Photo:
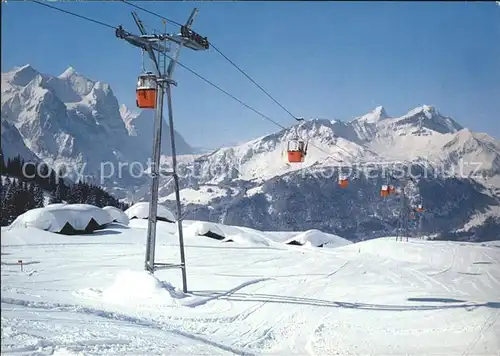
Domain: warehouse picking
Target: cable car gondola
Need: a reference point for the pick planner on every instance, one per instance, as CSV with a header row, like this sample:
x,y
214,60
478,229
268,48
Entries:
x,y
297,148
146,91
296,151
385,191
343,182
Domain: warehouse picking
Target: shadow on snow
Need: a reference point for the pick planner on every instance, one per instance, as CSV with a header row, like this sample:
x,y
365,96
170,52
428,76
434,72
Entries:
x,y
280,299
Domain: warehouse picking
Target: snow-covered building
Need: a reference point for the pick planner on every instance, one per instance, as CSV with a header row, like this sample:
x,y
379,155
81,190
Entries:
x,y
141,211
316,238
67,219
201,228
117,215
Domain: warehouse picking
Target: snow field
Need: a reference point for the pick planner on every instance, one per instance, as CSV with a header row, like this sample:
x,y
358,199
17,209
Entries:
x,y
204,195
89,295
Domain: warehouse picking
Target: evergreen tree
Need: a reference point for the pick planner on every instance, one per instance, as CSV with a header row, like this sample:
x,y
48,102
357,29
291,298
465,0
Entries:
x,y
90,196
71,194
9,212
38,196
16,166
60,193
29,194
76,195
101,200
8,165
44,170
19,196
2,201
29,171
3,167
52,179
25,198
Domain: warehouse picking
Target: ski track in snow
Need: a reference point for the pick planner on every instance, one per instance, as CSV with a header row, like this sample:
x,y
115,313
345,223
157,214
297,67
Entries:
x,y
378,297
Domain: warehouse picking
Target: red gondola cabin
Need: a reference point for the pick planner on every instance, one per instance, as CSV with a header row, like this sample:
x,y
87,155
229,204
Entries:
x,y
343,182
296,151
146,91
385,191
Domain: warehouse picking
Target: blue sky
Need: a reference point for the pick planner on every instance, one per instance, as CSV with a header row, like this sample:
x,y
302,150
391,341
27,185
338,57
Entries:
x,y
320,59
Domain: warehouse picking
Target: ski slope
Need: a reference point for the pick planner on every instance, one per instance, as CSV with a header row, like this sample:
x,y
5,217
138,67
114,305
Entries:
x,y
88,295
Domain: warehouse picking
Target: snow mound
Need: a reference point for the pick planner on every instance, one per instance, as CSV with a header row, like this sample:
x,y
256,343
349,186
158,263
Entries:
x,y
141,287
66,352
247,239
141,211
55,205
117,215
64,218
201,228
316,238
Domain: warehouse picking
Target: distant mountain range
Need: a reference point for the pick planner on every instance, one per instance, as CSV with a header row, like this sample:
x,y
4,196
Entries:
x,y
73,120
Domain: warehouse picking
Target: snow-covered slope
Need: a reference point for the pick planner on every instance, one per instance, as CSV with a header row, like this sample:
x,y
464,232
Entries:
x,y
75,121
84,295
140,126
13,144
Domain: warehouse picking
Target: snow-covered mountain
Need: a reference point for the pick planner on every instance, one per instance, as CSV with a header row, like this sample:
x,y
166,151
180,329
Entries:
x,y
422,135
457,171
74,121
13,144
140,125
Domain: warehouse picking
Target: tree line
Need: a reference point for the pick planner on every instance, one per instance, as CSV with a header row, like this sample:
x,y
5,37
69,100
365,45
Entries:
x,y
33,186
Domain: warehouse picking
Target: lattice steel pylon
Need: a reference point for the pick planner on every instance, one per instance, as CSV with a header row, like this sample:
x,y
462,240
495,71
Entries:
x,y
403,225
155,46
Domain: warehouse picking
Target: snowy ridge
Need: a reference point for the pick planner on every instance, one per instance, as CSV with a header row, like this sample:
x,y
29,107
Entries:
x,y
247,299
264,158
140,126
423,134
373,116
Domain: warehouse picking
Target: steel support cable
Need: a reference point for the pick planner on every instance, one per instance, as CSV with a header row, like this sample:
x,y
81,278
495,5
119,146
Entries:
x,y
237,67
185,67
